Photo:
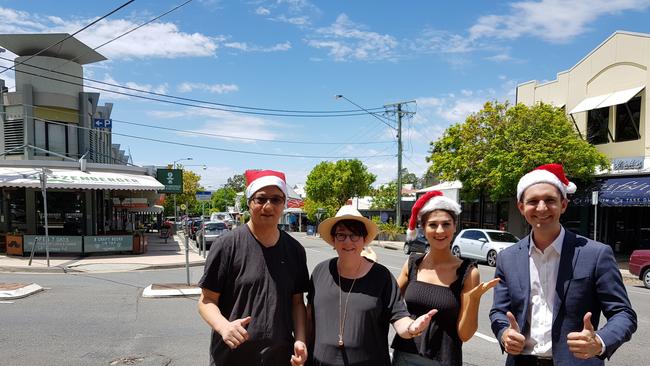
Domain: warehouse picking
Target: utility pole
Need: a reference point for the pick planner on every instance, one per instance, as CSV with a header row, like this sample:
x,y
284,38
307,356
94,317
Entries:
x,y
399,112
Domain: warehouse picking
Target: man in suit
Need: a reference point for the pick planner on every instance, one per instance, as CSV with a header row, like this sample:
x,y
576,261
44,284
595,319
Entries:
x,y
554,284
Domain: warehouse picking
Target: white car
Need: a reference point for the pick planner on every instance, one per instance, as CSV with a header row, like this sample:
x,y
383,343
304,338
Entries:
x,y
482,244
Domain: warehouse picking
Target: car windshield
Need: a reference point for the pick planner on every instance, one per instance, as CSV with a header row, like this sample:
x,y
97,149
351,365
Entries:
x,y
215,226
503,237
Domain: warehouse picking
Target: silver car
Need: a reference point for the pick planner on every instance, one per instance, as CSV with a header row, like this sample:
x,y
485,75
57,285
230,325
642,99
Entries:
x,y
482,244
212,230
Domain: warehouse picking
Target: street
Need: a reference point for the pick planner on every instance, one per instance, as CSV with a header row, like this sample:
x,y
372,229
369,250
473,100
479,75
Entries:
x,y
101,319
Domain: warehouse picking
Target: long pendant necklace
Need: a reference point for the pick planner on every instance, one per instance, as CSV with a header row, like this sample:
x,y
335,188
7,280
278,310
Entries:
x,y
344,310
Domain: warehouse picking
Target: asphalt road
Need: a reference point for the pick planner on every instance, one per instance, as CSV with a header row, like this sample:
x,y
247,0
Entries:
x,y
101,319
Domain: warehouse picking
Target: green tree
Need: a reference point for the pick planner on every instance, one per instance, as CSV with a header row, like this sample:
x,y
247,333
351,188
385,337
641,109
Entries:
x,y
410,178
384,197
222,198
237,182
494,147
333,183
311,208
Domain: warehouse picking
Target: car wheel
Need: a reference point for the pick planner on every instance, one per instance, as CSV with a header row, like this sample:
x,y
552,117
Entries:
x,y
455,251
407,249
646,278
492,258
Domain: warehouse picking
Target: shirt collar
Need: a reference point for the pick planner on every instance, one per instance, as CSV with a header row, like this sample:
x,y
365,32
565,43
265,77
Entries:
x,y
556,244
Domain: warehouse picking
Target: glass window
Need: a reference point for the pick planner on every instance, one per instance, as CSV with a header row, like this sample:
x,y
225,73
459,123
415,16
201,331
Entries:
x,y
597,124
16,201
627,120
64,213
470,234
503,237
56,138
39,137
73,145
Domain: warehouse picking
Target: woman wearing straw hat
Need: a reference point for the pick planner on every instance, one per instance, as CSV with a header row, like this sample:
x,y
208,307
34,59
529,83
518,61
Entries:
x,y
352,299
438,280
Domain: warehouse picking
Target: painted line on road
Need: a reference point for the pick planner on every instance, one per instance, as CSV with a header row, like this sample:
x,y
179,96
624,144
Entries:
x,y
486,338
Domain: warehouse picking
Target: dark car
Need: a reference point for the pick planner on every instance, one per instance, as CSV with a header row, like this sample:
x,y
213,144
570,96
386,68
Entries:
x,y
640,265
196,226
417,245
212,230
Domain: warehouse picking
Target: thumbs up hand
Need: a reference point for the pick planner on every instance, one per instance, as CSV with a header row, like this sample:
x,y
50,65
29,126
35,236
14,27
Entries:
x,y
235,332
585,344
513,341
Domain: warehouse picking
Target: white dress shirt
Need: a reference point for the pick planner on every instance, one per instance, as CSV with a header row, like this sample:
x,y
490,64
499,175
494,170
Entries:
x,y
544,267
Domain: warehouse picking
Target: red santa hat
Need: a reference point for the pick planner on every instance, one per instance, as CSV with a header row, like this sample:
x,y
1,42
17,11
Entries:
x,y
549,173
431,201
258,179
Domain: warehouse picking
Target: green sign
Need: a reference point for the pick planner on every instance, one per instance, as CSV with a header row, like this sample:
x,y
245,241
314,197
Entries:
x,y
56,244
108,243
172,179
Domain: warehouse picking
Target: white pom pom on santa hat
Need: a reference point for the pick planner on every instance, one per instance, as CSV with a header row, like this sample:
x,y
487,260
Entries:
x,y
548,173
430,201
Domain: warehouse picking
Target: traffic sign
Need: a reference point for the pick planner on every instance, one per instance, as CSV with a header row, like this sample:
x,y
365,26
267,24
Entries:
x,y
203,195
172,179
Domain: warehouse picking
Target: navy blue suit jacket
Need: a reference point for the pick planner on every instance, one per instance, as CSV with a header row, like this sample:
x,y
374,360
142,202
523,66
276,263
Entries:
x,y
588,281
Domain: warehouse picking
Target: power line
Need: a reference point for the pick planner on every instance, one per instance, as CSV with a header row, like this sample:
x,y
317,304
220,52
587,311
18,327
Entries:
x,y
69,36
186,104
201,146
219,135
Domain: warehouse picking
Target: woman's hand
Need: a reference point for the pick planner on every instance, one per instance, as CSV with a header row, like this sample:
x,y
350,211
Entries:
x,y
481,289
421,323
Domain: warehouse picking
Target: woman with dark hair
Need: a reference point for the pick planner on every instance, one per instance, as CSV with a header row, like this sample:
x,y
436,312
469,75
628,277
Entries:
x,y
352,300
438,280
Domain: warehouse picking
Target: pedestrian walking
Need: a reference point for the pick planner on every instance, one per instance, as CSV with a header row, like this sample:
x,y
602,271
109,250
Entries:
x,y
253,284
438,280
554,285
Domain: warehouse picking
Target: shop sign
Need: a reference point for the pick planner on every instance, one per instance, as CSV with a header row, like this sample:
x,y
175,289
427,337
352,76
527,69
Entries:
x,y
172,179
627,163
57,244
108,243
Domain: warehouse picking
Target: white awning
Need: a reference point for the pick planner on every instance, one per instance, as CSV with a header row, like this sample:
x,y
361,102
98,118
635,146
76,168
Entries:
x,y
76,179
151,209
606,100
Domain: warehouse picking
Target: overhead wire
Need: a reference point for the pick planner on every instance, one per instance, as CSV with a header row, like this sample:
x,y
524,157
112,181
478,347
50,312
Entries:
x,y
69,35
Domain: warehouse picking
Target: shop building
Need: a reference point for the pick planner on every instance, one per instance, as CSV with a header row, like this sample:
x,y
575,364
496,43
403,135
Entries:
x,y
56,138
605,95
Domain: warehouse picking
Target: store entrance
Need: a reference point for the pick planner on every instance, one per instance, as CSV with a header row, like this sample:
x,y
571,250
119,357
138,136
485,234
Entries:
x,y
65,213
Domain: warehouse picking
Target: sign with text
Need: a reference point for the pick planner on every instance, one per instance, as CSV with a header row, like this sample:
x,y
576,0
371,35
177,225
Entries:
x,y
57,244
203,195
172,179
108,243
103,123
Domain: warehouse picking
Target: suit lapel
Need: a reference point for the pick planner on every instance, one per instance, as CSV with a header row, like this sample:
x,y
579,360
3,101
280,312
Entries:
x,y
523,276
568,259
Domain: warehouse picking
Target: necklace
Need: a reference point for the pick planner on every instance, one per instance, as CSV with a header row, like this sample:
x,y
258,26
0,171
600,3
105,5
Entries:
x,y
344,310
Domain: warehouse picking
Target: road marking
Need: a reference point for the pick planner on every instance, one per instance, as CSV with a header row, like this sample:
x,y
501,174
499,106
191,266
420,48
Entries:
x,y
485,337
6,302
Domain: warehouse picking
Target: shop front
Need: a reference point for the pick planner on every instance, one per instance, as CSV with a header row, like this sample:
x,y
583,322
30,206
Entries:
x,y
82,214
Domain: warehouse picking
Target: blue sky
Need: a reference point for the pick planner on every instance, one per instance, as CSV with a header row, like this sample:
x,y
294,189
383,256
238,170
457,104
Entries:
x,y
450,57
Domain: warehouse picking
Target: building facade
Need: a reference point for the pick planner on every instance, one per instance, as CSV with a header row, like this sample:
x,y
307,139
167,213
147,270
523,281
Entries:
x,y
605,95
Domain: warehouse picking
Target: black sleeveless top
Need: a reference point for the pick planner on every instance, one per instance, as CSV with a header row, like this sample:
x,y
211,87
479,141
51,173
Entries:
x,y
440,340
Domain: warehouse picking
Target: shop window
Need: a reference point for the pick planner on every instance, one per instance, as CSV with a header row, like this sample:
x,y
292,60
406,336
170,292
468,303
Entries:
x,y
55,137
16,207
627,120
597,124
64,213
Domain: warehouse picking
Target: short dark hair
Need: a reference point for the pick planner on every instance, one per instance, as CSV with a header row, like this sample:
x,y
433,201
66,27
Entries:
x,y
355,226
425,217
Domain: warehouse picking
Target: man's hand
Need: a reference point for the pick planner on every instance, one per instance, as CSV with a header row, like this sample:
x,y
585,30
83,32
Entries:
x,y
513,341
584,344
235,332
299,354
421,323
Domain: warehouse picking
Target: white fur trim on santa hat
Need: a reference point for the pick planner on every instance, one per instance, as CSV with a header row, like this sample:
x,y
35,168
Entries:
x,y
267,180
440,203
411,234
543,176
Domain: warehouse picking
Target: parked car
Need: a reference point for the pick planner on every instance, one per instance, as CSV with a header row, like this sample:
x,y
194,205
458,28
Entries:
x,y
640,265
482,244
196,226
212,230
417,245
223,216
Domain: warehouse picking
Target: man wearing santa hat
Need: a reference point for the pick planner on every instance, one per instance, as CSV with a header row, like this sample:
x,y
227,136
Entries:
x,y
253,284
554,284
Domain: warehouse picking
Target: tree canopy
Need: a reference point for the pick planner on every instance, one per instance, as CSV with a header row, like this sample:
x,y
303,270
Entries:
x,y
237,182
494,147
222,198
385,197
331,184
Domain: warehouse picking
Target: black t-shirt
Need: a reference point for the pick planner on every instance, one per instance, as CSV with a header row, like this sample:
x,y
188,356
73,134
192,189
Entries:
x,y
259,282
374,303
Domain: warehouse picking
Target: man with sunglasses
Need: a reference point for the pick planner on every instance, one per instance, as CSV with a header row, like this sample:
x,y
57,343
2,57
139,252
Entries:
x,y
253,284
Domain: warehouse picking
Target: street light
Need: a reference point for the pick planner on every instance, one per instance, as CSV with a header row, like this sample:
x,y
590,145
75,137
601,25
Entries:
x,y
176,208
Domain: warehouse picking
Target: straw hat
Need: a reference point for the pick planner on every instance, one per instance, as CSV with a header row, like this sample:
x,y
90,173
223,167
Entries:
x,y
347,213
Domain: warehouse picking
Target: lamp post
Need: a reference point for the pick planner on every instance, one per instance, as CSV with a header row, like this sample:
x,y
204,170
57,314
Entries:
x,y
43,179
176,208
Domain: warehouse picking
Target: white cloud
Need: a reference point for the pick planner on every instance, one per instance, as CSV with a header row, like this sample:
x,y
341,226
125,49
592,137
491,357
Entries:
x,y
551,20
163,40
347,40
437,41
107,95
301,20
245,47
262,11
212,88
